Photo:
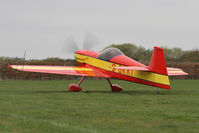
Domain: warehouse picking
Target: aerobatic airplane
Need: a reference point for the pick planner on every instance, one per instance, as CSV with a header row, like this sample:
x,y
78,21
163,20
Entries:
x,y
112,63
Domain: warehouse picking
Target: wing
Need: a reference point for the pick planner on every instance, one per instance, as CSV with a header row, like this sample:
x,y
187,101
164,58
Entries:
x,y
170,71
65,70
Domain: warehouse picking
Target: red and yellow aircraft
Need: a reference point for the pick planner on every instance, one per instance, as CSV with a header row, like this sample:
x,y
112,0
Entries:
x,y
112,63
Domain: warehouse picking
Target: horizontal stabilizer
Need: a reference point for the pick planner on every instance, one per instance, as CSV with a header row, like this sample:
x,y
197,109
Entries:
x,y
170,71
175,71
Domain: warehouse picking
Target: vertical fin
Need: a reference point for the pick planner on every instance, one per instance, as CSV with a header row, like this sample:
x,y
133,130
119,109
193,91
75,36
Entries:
x,y
158,63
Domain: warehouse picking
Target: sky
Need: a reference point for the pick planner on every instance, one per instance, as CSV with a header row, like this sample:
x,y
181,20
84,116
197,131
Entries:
x,y
42,27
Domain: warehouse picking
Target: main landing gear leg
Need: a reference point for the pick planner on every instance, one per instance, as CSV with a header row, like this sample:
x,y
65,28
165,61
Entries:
x,y
114,87
76,87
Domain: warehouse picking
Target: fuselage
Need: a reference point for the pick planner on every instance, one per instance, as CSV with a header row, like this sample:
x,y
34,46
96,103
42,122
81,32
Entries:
x,y
106,62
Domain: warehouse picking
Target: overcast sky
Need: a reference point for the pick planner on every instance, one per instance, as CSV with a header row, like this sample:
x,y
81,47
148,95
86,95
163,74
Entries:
x,y
43,26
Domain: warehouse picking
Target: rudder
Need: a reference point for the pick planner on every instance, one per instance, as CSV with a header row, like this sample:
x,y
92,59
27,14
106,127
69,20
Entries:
x,y
158,65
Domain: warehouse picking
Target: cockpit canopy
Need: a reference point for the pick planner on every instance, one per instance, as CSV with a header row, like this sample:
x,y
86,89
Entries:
x,y
109,53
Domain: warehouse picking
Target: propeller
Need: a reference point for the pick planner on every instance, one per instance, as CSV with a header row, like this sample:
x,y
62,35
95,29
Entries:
x,y
70,45
90,41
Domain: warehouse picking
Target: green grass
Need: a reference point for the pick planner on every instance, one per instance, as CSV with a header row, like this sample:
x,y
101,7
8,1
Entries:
x,y
48,107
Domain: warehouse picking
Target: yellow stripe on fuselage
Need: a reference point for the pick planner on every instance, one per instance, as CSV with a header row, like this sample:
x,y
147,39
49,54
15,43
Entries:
x,y
145,75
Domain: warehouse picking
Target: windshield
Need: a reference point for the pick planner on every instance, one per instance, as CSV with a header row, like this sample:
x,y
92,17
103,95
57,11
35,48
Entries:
x,y
109,53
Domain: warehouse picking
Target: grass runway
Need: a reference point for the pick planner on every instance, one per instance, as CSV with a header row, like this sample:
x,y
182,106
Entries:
x,y
48,107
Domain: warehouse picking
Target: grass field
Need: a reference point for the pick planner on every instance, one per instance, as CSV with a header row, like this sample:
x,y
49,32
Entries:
x,y
48,107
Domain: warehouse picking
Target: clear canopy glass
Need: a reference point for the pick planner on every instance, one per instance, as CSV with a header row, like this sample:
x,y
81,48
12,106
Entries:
x,y
109,53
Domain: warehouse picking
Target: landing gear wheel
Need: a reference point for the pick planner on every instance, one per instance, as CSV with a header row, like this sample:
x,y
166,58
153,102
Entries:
x,y
116,88
74,88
